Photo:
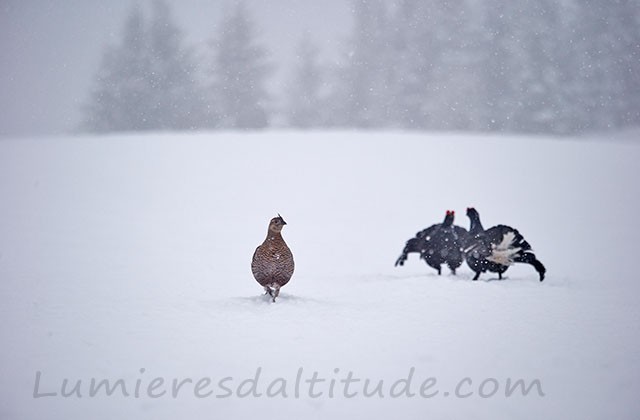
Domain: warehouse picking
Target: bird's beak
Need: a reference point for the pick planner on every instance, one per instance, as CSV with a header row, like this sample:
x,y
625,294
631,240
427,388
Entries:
x,y
283,222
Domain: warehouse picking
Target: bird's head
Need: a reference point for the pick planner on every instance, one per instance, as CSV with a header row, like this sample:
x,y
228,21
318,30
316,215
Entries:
x,y
474,218
277,223
448,218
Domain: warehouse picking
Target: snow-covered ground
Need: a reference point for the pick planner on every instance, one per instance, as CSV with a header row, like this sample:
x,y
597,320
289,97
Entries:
x,y
128,257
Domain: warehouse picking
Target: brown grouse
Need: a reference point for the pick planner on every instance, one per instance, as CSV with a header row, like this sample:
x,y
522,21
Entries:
x,y
272,263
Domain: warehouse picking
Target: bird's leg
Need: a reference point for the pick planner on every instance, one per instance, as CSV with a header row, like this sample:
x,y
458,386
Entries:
x,y
477,276
276,291
267,291
499,275
439,271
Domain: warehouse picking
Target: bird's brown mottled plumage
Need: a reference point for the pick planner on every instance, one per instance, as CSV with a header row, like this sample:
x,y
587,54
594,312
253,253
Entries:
x,y
272,263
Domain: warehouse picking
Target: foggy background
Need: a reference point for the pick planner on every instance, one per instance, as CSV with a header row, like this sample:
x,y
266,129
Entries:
x,y
50,51
541,66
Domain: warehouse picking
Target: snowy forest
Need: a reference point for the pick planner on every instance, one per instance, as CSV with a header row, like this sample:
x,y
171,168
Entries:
x,y
531,66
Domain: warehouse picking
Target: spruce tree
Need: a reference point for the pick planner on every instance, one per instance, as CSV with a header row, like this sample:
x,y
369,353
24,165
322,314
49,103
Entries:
x,y
240,72
177,101
148,81
364,84
304,103
120,98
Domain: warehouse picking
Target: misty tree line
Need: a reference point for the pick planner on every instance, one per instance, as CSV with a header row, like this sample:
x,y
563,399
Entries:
x,y
152,81
550,66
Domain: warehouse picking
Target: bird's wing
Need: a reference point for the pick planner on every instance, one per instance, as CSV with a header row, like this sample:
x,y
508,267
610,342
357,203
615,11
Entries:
x,y
461,235
428,232
479,245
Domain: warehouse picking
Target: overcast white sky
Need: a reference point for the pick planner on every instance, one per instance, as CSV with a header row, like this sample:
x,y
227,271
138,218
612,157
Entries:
x,y
50,49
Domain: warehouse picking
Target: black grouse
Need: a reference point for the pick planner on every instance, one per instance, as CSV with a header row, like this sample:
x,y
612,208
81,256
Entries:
x,y
495,249
439,244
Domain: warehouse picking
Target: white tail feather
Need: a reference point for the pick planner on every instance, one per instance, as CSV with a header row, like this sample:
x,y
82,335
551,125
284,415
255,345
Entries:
x,y
503,252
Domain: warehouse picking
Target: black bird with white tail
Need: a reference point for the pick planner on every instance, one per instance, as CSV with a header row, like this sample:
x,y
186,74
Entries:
x,y
497,248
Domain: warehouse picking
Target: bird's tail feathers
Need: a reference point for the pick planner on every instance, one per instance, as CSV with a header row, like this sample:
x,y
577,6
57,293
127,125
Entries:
x,y
504,252
413,245
530,258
